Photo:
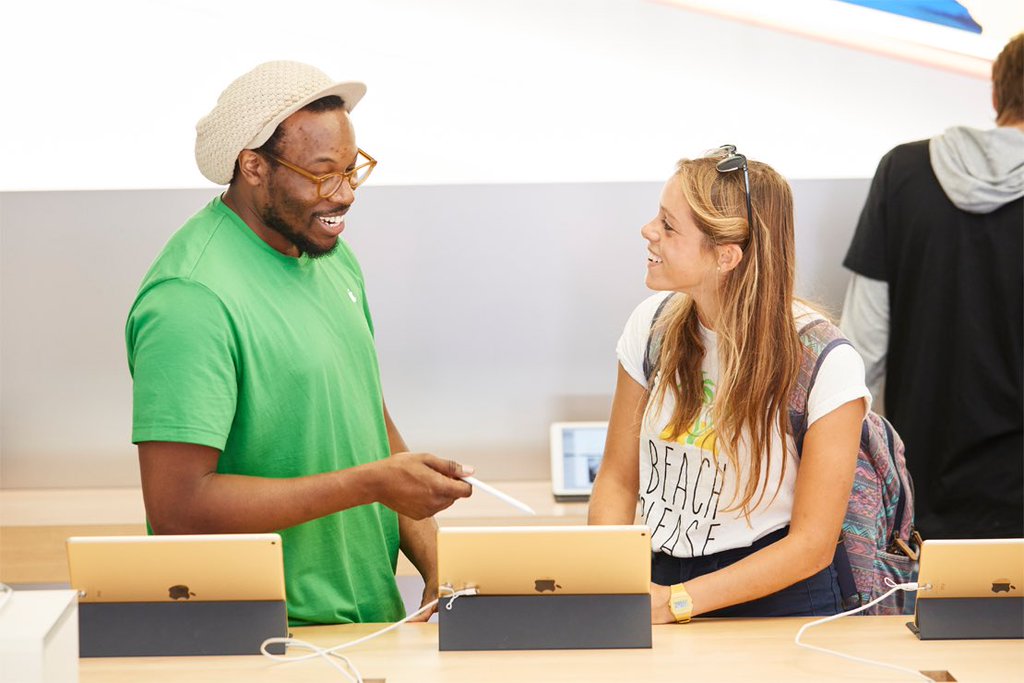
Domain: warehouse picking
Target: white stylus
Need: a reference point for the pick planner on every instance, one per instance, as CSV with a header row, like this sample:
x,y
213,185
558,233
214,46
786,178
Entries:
x,y
487,488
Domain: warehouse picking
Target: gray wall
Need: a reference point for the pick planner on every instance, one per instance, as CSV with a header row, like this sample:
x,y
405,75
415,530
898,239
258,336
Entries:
x,y
497,309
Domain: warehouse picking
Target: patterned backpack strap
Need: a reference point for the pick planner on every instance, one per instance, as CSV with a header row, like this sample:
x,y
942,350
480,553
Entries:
x,y
653,351
817,338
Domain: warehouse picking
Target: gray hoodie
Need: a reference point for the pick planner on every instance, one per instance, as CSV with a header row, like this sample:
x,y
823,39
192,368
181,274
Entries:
x,y
979,170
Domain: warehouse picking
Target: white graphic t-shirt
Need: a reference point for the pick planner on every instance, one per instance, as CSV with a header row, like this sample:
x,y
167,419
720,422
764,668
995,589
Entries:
x,y
688,495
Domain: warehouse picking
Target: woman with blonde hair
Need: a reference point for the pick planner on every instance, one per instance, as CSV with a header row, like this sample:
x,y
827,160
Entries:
x,y
741,523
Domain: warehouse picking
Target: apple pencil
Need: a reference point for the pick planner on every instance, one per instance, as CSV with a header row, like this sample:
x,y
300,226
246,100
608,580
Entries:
x,y
487,488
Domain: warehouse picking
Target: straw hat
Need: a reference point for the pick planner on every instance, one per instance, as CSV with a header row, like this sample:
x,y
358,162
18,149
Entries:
x,y
251,108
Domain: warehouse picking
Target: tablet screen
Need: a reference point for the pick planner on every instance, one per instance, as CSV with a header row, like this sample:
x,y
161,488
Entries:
x,y
576,451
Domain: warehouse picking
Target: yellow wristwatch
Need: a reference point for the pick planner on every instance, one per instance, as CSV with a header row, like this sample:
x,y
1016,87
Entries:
x,y
680,604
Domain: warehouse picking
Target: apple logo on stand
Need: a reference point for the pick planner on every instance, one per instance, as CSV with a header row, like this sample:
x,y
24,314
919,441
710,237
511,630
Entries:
x,y
179,593
1002,586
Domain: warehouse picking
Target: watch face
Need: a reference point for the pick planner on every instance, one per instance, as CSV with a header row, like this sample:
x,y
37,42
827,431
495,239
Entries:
x,y
680,604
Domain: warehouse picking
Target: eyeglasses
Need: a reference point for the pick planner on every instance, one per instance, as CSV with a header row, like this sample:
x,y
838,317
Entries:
x,y
734,162
328,184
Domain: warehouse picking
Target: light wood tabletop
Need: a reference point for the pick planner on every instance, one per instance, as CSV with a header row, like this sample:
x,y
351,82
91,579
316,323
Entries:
x,y
719,650
34,525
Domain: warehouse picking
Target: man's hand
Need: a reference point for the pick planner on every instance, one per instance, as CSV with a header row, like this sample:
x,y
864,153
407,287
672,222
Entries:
x,y
419,485
429,595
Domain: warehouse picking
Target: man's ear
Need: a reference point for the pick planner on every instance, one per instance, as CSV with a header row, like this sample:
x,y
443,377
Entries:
x,y
729,256
252,167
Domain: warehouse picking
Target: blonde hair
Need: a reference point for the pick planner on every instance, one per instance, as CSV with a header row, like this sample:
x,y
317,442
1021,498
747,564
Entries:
x,y
758,346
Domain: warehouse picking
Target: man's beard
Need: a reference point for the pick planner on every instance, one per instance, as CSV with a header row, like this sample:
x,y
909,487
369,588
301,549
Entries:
x,y
273,220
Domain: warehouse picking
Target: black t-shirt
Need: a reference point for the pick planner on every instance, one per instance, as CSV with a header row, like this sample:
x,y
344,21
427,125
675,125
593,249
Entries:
x,y
954,364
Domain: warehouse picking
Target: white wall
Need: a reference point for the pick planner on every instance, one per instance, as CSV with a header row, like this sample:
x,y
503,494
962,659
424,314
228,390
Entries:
x,y
105,94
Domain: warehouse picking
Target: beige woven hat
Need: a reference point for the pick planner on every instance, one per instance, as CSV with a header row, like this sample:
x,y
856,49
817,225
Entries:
x,y
251,108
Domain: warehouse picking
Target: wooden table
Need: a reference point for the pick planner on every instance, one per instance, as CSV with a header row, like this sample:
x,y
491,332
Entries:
x,y
34,524
718,650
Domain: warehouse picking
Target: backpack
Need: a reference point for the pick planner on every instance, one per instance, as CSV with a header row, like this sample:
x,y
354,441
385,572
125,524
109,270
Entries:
x,y
877,532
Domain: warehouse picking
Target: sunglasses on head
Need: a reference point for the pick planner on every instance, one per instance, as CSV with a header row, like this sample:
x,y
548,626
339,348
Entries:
x,y
731,161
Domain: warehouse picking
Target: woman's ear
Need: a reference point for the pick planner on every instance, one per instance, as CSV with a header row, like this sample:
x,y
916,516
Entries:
x,y
729,256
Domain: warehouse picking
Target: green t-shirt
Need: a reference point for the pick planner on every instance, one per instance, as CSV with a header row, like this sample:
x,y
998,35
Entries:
x,y
271,360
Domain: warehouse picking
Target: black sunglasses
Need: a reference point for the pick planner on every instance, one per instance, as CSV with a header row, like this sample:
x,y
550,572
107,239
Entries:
x,y
735,162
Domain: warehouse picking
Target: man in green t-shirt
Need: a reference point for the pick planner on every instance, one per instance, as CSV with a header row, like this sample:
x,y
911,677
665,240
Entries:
x,y
257,397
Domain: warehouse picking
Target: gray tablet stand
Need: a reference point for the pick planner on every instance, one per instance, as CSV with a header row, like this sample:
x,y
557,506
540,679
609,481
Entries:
x,y
549,622
968,618
159,629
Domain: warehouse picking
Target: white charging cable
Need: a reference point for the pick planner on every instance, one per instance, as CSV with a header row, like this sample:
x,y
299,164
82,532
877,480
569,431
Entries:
x,y
344,664
893,588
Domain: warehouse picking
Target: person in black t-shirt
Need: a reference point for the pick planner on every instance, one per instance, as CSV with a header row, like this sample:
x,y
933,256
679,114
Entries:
x,y
935,308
